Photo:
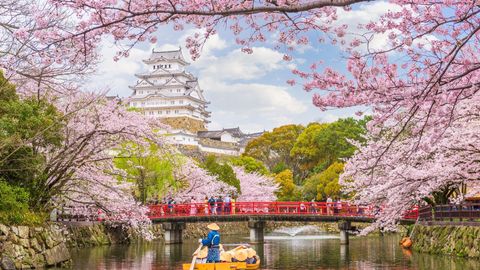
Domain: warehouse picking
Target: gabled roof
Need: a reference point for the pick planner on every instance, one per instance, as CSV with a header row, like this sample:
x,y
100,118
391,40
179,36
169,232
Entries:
x,y
248,137
193,87
235,132
173,55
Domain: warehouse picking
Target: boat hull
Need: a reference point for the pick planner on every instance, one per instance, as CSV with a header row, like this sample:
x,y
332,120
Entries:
x,y
223,266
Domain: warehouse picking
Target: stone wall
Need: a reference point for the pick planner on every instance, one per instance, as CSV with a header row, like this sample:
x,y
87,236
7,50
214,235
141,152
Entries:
x,y
218,144
184,123
449,240
97,235
23,247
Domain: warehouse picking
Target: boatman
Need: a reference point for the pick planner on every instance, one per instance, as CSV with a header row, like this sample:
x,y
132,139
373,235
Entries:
x,y
213,243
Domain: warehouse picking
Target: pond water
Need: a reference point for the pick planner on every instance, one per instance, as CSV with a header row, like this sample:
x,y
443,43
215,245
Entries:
x,y
280,251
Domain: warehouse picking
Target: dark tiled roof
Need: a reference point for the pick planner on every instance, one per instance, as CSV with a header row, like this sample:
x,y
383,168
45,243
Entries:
x,y
174,54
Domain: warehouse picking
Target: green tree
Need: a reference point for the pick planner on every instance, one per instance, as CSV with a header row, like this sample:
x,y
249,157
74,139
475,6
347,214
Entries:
x,y
250,164
305,149
325,184
287,190
151,170
26,126
274,147
333,143
224,172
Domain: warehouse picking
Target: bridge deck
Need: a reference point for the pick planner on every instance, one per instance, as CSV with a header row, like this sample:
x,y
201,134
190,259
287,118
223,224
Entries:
x,y
268,211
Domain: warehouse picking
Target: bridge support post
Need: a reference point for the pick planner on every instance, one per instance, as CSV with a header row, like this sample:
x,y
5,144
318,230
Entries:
x,y
344,227
173,232
257,229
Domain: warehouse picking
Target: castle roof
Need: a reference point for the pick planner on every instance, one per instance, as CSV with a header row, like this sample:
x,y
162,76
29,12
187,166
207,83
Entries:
x,y
173,55
217,134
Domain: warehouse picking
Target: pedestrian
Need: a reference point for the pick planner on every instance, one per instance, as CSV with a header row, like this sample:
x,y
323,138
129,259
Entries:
x,y
227,203
206,205
171,203
212,202
313,206
219,205
193,207
329,205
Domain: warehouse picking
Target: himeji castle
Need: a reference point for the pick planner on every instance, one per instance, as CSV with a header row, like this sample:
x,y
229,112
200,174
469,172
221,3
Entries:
x,y
167,91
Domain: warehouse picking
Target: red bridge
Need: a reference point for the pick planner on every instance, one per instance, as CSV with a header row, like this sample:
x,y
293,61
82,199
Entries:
x,y
174,216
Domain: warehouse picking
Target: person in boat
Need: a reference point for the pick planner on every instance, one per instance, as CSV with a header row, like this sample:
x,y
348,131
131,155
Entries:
x,y
202,255
213,243
251,256
240,255
225,256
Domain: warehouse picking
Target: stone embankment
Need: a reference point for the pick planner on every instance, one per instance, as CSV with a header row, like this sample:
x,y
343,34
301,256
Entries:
x,y
463,241
23,247
97,234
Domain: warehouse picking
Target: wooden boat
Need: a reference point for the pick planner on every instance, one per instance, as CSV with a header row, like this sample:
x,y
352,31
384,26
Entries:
x,y
224,266
255,265
217,266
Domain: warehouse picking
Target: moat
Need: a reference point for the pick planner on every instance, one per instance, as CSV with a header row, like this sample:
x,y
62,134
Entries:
x,y
306,251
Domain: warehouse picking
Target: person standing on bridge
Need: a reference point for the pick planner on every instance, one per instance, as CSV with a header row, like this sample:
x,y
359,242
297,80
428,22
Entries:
x,y
227,204
213,243
329,205
212,203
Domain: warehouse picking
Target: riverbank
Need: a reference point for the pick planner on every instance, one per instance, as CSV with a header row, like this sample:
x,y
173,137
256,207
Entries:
x,y
459,241
23,247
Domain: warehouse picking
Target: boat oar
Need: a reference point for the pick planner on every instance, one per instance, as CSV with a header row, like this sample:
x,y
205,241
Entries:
x,y
192,265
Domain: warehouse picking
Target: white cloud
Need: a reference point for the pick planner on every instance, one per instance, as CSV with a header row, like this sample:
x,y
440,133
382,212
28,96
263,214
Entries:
x,y
364,14
237,65
116,76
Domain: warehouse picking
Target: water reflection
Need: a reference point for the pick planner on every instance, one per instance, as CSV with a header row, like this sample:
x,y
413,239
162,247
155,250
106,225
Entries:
x,y
307,252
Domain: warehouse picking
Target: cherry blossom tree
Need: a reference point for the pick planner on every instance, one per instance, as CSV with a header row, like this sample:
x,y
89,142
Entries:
x,y
198,183
255,187
421,84
31,53
81,174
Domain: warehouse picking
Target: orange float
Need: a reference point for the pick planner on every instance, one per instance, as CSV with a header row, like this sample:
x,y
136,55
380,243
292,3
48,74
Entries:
x,y
406,242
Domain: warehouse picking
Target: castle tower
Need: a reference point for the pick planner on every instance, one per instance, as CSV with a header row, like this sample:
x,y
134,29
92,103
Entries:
x,y
168,92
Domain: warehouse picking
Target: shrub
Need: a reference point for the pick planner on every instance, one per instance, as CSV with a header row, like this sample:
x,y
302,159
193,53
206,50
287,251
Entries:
x,y
13,198
14,206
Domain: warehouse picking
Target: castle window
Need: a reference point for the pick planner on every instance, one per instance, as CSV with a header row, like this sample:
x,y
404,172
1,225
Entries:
x,y
150,113
176,111
159,112
172,102
181,101
169,66
143,104
168,111
178,90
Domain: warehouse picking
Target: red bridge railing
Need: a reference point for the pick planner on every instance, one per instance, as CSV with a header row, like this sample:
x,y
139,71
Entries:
x,y
268,208
468,212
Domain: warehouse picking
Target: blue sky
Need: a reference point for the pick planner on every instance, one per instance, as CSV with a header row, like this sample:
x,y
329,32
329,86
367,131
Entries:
x,y
248,91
